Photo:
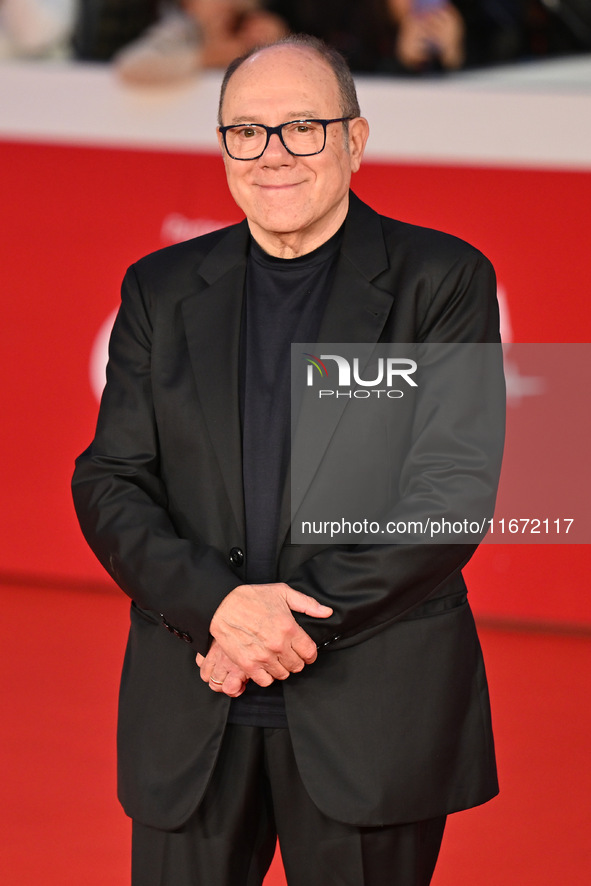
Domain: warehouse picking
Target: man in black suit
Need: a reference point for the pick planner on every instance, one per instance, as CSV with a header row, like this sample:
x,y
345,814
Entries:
x,y
333,695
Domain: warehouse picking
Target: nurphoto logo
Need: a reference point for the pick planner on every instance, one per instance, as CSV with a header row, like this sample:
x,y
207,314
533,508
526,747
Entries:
x,y
388,371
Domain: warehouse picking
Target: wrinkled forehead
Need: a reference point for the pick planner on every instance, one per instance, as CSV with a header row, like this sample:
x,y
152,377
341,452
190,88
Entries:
x,y
279,78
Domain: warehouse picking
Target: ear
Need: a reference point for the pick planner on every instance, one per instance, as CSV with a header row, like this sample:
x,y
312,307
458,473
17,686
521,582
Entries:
x,y
358,134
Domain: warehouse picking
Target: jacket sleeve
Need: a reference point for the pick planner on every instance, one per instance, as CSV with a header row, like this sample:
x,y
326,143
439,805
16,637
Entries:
x,y
121,501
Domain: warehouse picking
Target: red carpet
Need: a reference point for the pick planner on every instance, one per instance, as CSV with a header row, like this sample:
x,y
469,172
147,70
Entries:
x,y
60,822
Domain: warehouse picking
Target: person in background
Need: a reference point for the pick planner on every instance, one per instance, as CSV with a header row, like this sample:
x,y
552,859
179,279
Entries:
x,y
35,28
433,37
428,32
153,44
200,34
436,35
394,36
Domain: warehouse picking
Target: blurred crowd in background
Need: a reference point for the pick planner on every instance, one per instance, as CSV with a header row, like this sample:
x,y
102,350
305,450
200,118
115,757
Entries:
x,y
156,42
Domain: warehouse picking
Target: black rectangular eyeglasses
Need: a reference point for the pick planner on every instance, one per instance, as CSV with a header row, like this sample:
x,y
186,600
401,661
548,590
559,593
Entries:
x,y
302,138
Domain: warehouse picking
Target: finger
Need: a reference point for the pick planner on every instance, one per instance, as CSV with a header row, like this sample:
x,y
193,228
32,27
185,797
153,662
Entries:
x,y
291,657
217,683
216,662
304,646
199,659
299,602
275,670
206,669
293,663
233,686
261,677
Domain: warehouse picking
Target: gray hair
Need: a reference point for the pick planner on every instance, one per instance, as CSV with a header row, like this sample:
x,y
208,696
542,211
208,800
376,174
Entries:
x,y
334,59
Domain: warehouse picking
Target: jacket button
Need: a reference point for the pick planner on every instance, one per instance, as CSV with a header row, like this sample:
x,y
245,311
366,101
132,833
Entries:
x,y
328,642
236,556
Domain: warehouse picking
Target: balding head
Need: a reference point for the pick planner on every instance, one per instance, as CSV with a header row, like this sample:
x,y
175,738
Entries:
x,y
349,104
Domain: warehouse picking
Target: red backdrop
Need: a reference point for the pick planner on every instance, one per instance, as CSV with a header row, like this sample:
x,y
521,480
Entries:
x,y
73,218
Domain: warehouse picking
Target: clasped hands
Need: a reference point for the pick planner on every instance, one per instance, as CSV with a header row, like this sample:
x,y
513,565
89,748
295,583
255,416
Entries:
x,y
256,637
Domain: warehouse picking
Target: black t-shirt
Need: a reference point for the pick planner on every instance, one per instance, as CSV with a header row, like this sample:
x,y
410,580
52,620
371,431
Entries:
x,y
284,303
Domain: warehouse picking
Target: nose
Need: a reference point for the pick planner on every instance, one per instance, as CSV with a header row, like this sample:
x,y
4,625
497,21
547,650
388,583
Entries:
x,y
276,153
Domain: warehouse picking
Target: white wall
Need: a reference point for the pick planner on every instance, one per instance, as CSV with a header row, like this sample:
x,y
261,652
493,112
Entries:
x,y
533,115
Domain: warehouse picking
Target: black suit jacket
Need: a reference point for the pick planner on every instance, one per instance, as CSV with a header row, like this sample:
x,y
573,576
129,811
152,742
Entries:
x,y
392,721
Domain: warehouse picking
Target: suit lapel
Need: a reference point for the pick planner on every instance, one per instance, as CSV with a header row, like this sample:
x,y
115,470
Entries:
x,y
357,308
212,318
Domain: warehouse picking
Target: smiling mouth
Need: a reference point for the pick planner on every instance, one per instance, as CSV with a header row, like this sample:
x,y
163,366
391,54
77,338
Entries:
x,y
278,187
